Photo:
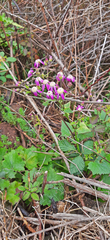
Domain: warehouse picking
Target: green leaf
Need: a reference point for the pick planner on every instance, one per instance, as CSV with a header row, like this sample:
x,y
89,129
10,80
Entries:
x,y
65,130
31,157
53,176
11,59
2,153
9,76
67,105
66,146
35,196
4,184
11,192
99,167
56,192
26,195
79,163
68,110
45,200
2,53
99,129
22,188
88,144
83,128
102,115
13,161
106,178
17,25
94,119
3,79
44,159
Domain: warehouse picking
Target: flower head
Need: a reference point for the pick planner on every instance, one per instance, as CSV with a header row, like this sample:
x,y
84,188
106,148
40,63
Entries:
x,y
53,86
79,108
17,84
70,78
99,100
50,58
45,84
60,92
38,80
35,90
60,76
30,72
50,95
37,63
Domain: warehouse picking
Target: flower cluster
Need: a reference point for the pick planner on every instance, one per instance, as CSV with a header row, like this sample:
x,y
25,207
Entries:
x,y
52,89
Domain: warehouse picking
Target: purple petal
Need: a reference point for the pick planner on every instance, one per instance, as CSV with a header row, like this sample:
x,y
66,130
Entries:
x,y
48,86
43,87
58,96
39,91
52,97
35,93
62,96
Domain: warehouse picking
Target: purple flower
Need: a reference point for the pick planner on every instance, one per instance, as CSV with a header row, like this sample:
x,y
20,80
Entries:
x,y
50,95
60,92
17,84
35,90
50,58
30,72
45,84
79,108
60,76
99,100
38,80
70,78
53,86
37,63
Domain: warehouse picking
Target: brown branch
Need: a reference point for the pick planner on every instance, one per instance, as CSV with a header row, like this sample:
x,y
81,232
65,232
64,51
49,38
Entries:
x,y
95,82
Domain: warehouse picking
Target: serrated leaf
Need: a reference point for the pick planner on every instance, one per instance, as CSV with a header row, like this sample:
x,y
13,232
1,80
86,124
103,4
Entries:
x,y
35,196
94,119
79,162
53,176
11,192
66,146
2,153
11,59
44,158
13,161
45,200
106,178
4,184
65,130
83,128
98,167
88,144
31,157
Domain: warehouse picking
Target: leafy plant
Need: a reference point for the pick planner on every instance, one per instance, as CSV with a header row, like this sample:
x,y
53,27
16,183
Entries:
x,y
22,172
3,70
87,150
12,118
